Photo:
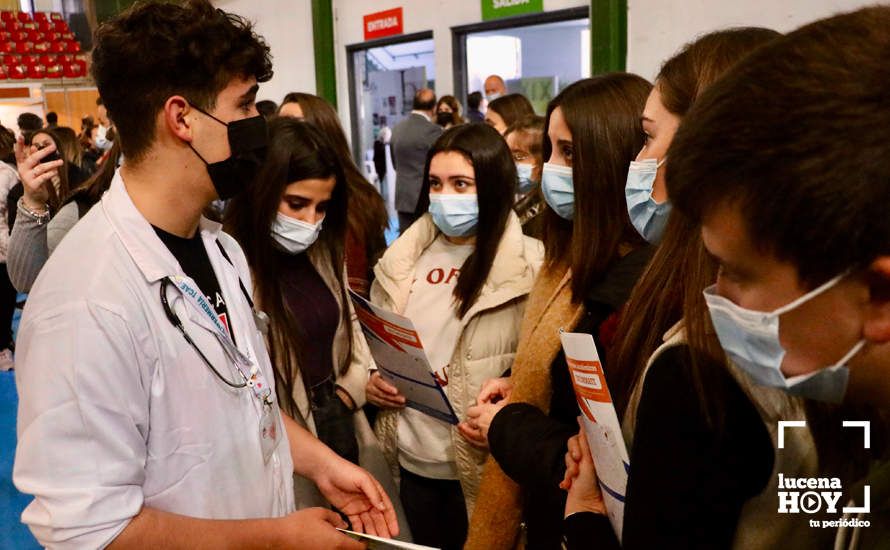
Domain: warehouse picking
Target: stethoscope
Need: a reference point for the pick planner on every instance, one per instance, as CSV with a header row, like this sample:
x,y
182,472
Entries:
x,y
177,322
260,318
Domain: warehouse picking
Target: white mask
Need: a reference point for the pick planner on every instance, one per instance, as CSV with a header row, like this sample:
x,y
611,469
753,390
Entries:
x,y
294,235
751,341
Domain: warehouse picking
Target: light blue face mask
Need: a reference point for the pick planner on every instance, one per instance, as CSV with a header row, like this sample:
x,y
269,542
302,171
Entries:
x,y
524,171
455,215
647,216
751,341
558,189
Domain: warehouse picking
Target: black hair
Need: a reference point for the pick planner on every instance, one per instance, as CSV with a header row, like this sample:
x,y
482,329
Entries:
x,y
297,152
267,108
155,50
52,117
29,122
474,100
495,175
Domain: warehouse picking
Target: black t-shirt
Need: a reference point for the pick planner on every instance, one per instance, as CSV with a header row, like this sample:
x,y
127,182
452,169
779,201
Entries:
x,y
195,262
316,313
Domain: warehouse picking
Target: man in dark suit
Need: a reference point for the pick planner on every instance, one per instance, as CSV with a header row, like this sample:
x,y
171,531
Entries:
x,y
411,141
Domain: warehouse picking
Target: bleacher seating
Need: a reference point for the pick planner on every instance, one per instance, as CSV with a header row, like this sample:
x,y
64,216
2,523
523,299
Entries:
x,y
38,47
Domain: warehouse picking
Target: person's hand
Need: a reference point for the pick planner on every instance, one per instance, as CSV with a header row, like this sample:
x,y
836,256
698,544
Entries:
x,y
479,417
315,528
34,174
573,461
494,390
383,394
356,493
581,481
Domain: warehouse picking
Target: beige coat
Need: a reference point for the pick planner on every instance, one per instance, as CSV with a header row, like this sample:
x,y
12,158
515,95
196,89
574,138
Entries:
x,y
489,332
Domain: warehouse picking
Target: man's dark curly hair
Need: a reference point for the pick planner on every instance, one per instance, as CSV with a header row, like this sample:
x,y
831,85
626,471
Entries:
x,y
155,50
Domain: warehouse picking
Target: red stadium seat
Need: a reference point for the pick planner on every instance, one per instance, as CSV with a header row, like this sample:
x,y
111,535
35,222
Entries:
x,y
24,17
12,25
29,59
19,36
56,16
3,75
60,26
58,47
9,59
55,71
7,15
23,47
75,69
40,16
6,47
73,46
64,58
44,26
5,36
16,72
36,71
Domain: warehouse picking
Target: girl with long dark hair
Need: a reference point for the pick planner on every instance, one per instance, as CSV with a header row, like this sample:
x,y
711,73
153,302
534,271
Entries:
x,y
291,223
368,219
593,259
461,273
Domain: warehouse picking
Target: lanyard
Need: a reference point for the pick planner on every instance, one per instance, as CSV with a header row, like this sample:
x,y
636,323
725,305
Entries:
x,y
254,378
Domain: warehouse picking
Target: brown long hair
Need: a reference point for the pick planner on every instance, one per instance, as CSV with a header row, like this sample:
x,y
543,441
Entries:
x,y
91,191
671,287
495,175
512,107
297,151
603,115
367,211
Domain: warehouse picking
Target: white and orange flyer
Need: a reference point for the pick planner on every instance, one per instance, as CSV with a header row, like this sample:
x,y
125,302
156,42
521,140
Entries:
x,y
400,359
600,421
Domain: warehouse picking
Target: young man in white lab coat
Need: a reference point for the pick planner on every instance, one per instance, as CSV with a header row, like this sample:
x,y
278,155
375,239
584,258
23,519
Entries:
x,y
147,416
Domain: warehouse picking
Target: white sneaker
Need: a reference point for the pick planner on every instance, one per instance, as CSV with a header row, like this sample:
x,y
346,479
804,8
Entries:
x,y
6,362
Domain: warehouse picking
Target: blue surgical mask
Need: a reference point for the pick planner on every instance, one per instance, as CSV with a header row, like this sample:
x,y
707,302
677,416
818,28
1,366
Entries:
x,y
558,189
751,341
455,215
647,216
293,235
524,171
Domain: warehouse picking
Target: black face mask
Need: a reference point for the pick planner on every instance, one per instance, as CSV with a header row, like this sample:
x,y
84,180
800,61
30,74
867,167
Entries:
x,y
443,119
248,142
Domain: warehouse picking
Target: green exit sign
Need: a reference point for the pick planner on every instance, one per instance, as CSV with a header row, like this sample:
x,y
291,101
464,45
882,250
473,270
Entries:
x,y
494,9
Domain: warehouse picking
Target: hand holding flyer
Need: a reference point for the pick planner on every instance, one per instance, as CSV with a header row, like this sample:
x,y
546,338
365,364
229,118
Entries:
x,y
600,423
400,358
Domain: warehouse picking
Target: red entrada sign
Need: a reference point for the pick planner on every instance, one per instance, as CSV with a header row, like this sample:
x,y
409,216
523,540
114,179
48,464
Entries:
x,y
383,23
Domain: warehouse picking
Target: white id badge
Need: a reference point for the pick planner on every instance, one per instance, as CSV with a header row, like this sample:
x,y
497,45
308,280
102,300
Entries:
x,y
269,436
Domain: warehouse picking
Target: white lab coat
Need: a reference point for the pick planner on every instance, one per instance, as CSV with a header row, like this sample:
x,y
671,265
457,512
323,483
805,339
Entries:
x,y
116,410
